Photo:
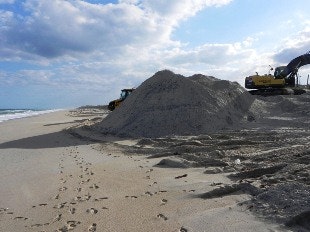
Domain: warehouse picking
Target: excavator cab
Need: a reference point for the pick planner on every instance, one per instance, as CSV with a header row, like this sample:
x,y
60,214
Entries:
x,y
280,72
115,103
125,93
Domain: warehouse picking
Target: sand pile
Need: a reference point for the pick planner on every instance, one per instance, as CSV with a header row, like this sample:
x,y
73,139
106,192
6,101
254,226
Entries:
x,y
171,104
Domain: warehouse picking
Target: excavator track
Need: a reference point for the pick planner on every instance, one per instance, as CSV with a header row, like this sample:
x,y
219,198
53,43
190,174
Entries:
x,y
278,91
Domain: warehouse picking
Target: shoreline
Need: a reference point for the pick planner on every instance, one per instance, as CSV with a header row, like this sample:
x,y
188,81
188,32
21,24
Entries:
x,y
14,114
53,181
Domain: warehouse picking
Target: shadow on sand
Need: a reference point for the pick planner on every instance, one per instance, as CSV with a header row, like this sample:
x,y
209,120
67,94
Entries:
x,y
52,140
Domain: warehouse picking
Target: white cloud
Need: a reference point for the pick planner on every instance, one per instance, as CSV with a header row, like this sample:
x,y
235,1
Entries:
x,y
61,28
97,47
294,45
128,40
173,11
6,19
134,2
68,28
118,43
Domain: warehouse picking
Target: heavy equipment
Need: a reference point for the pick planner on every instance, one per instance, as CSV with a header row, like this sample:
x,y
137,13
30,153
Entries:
x,y
124,94
282,82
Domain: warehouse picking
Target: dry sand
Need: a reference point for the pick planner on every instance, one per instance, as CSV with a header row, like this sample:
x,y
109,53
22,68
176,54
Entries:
x,y
54,180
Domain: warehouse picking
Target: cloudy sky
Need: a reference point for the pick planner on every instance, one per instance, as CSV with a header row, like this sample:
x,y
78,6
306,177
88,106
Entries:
x,y
67,53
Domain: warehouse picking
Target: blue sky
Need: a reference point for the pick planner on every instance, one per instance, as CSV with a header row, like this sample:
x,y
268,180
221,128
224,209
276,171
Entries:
x,y
68,53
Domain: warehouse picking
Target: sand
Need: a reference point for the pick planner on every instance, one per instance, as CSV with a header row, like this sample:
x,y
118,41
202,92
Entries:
x,y
169,104
55,180
246,169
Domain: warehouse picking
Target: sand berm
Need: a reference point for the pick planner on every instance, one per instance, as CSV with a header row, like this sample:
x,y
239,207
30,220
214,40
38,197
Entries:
x,y
171,104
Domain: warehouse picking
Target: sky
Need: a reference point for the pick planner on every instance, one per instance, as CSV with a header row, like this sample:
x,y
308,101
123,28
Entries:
x,y
69,53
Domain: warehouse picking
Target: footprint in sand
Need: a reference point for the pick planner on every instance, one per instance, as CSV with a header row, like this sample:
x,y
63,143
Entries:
x,y
162,216
39,225
149,193
86,197
133,197
81,199
5,210
190,191
182,229
94,186
216,183
57,218
43,204
181,176
2,210
100,198
164,201
92,211
70,226
20,218
72,210
153,183
93,227
84,181
90,173
60,206
63,189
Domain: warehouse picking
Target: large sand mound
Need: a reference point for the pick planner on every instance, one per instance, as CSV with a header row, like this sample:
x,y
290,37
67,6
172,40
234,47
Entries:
x,y
171,104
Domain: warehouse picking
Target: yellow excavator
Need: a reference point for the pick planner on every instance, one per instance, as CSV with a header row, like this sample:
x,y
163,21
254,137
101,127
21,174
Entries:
x,y
115,103
282,82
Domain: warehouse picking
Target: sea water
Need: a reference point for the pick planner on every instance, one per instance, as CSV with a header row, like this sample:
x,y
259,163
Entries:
x,y
9,114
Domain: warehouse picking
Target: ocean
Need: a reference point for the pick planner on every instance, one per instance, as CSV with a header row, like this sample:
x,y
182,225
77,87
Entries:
x,y
10,114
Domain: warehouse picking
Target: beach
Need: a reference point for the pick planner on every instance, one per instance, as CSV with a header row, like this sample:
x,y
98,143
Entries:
x,y
55,180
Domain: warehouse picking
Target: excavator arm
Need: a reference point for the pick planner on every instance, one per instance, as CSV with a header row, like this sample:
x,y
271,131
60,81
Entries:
x,y
299,62
291,69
